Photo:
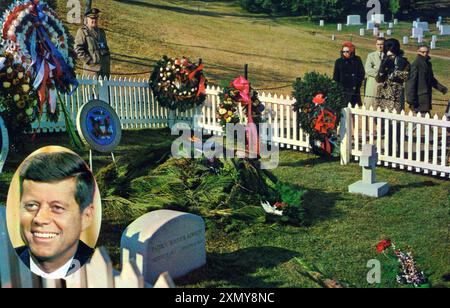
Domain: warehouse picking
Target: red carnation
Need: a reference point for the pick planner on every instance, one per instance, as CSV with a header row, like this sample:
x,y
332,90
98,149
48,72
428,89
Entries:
x,y
383,245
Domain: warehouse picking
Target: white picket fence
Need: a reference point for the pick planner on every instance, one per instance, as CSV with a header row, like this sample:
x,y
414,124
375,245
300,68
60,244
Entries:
x,y
98,273
405,141
423,141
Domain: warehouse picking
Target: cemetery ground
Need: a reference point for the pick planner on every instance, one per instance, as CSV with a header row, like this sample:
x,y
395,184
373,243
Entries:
x,y
278,49
340,237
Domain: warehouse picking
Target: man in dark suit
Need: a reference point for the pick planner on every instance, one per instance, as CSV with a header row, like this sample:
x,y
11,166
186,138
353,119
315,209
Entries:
x,y
421,81
56,206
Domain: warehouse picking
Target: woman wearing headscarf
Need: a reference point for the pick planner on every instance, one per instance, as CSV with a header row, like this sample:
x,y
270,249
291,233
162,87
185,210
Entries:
x,y
393,73
349,72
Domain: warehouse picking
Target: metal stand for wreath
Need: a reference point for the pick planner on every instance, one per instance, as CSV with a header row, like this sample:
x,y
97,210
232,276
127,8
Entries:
x,y
5,144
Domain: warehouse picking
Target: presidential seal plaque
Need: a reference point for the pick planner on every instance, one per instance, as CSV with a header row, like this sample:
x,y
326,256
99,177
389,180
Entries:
x,y
99,126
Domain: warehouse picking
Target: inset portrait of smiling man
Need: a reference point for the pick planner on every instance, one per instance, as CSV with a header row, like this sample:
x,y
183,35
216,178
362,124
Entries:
x,y
57,205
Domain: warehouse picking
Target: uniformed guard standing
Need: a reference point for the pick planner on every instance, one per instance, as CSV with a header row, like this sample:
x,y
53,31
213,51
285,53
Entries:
x,y
91,46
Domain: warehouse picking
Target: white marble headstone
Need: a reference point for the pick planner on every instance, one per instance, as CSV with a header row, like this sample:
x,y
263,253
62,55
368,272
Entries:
x,y
389,32
353,20
424,25
434,38
339,27
445,30
362,32
381,34
376,31
396,21
405,40
370,25
322,23
391,25
433,45
416,32
165,241
378,18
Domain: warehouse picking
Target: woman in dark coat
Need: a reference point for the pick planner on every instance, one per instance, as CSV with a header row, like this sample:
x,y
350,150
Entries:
x,y
349,72
393,73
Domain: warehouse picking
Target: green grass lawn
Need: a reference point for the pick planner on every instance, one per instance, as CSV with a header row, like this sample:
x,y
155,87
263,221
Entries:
x,y
340,240
278,49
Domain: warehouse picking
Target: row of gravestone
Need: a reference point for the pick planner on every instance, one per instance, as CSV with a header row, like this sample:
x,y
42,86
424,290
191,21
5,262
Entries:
x,y
418,29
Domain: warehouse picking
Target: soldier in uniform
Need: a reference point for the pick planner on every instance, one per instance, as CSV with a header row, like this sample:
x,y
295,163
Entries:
x,y
91,46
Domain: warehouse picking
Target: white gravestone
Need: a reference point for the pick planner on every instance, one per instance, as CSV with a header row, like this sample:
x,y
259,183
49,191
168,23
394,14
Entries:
x,y
391,25
322,23
378,18
395,22
165,241
420,39
389,32
433,45
434,38
376,31
445,30
362,32
416,32
381,34
333,37
339,27
4,144
405,40
353,20
368,186
370,25
423,25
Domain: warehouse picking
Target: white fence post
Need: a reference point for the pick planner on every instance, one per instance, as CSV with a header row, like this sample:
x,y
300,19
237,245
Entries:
x,y
345,131
103,89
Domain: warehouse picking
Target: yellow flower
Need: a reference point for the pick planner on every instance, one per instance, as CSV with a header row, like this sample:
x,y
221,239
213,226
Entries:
x,y
222,111
20,104
9,70
228,119
230,113
6,85
16,97
29,112
26,88
20,75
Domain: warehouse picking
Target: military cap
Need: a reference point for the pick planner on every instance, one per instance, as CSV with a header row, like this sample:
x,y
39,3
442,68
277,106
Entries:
x,y
92,13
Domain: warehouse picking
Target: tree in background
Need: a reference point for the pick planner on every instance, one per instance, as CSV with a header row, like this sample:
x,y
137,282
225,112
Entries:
x,y
394,7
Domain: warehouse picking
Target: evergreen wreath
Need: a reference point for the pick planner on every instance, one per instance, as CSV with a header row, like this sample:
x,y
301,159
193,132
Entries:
x,y
178,84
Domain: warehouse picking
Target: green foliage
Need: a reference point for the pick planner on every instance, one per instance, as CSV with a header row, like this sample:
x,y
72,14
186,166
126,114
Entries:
x,y
394,6
294,213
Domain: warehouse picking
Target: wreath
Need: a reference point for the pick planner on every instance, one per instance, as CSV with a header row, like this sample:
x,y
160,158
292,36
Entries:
x,y
239,93
18,101
319,100
36,40
178,84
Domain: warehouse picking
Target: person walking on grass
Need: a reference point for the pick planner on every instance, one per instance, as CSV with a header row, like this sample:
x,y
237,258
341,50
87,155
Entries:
x,y
421,82
372,67
349,72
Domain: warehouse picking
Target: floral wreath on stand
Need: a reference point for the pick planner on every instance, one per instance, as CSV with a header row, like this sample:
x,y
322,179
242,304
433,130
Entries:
x,y
324,125
239,93
36,53
178,84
